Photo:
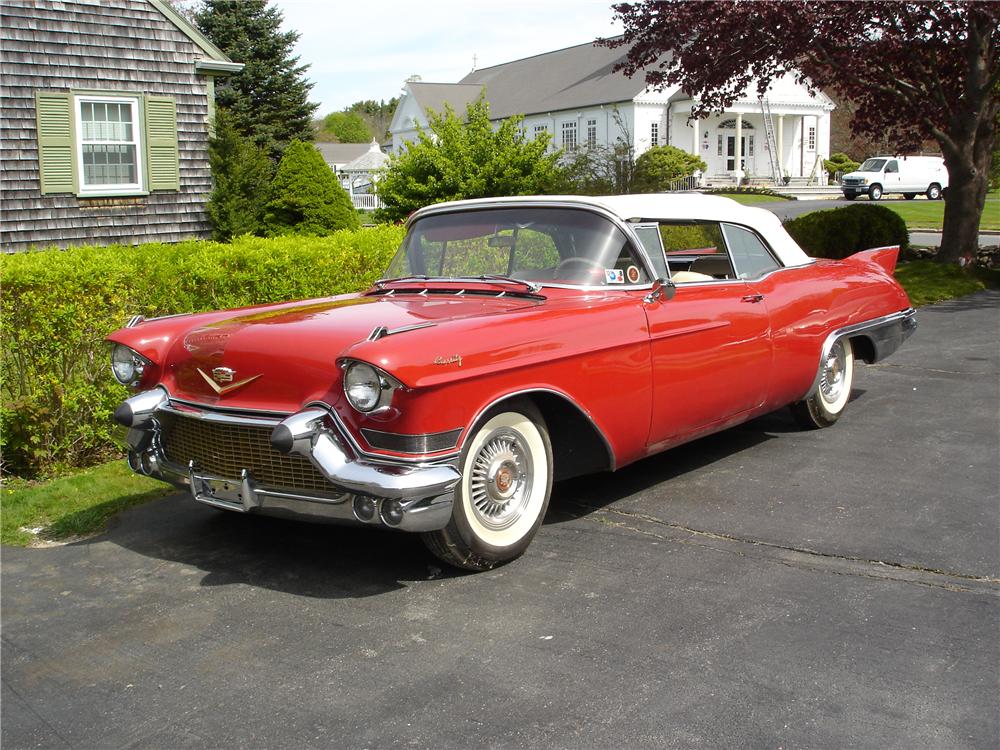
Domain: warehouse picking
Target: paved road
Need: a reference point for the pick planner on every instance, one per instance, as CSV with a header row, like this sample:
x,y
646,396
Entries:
x,y
764,587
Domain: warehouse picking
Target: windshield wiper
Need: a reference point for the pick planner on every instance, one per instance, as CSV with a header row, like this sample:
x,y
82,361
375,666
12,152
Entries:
x,y
382,282
532,288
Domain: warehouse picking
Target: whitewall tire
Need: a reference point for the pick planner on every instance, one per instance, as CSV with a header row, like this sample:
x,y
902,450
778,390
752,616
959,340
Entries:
x,y
833,390
506,467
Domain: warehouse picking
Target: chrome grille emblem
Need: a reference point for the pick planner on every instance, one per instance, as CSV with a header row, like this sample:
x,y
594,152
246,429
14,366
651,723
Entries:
x,y
223,374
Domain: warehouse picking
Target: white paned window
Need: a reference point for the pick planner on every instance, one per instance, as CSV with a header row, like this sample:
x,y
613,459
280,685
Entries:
x,y
109,145
654,134
591,133
811,141
569,136
539,129
720,144
749,145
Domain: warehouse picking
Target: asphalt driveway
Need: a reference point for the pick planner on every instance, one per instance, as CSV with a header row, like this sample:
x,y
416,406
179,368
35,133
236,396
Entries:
x,y
765,587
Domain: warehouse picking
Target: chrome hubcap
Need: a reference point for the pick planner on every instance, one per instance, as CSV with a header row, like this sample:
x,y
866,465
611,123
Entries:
x,y
500,484
831,382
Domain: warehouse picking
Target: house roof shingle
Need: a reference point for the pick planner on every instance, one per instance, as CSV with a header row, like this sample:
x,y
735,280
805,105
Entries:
x,y
573,77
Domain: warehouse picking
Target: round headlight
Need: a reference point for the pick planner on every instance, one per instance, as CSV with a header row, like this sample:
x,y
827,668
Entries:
x,y
126,365
362,386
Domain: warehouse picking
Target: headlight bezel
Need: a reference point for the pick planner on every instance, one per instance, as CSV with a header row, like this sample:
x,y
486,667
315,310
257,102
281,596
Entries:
x,y
126,361
384,385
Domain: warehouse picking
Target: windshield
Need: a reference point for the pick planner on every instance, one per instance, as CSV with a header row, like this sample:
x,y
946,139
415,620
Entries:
x,y
872,165
545,245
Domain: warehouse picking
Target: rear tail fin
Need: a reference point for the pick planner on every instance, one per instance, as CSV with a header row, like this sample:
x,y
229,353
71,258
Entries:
x,y
883,257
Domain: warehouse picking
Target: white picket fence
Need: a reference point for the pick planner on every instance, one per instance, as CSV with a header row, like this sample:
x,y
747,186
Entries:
x,y
366,201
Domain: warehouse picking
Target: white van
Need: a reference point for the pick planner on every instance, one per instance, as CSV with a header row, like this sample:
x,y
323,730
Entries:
x,y
909,175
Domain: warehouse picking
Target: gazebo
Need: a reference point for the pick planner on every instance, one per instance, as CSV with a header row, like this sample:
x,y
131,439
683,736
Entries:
x,y
360,175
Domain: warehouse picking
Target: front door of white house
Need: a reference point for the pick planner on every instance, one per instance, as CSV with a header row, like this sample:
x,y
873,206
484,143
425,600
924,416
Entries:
x,y
731,152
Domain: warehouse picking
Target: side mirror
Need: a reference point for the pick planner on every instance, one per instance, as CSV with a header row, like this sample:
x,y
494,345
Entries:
x,y
663,290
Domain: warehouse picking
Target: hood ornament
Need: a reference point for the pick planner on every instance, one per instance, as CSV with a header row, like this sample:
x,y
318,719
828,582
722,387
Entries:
x,y
224,375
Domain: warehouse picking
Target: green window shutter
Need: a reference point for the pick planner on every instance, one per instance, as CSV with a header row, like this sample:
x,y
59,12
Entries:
x,y
54,115
162,157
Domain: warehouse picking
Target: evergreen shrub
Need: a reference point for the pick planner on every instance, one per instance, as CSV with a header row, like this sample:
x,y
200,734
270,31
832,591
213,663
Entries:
x,y
841,232
306,197
57,393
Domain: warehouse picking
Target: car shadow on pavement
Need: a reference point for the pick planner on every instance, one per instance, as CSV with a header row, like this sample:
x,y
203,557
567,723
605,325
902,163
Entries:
x,y
307,559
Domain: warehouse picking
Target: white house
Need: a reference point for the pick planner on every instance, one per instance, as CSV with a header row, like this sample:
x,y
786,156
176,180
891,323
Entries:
x,y
573,94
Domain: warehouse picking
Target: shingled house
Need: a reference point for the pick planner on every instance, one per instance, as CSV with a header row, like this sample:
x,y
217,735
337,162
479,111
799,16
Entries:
x,y
104,123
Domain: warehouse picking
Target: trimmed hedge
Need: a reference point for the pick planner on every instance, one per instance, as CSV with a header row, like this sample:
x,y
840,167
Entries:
x,y
56,389
841,232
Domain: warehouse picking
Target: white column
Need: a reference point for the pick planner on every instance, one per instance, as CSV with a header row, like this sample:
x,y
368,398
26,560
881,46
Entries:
x,y
781,144
739,144
695,145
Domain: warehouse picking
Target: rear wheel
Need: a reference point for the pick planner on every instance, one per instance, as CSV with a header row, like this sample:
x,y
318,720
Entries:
x,y
934,192
875,192
836,375
909,196
501,500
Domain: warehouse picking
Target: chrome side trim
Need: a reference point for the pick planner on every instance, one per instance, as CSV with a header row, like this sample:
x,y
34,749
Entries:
x,y
886,333
428,442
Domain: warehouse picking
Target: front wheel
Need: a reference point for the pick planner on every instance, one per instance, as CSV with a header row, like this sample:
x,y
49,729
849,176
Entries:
x,y
501,500
934,192
836,375
875,192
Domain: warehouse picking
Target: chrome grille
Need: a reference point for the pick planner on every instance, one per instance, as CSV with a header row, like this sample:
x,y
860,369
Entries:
x,y
224,450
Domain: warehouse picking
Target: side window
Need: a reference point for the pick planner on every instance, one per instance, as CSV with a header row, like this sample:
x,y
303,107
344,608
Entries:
x,y
750,256
892,167
695,252
649,235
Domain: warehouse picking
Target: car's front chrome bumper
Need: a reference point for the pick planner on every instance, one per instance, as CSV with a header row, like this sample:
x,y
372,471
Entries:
x,y
399,495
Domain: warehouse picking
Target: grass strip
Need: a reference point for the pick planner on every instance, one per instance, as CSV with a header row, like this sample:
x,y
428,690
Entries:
x,y
926,281
71,506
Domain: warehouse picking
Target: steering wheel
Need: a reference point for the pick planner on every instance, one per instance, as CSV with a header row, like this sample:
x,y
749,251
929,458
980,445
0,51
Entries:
x,y
588,270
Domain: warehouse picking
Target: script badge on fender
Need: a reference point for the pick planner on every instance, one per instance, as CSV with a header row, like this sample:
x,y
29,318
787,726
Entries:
x,y
224,375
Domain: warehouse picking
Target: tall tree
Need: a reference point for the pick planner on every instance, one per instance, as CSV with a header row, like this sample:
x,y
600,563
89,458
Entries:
x,y
460,159
346,127
916,70
268,101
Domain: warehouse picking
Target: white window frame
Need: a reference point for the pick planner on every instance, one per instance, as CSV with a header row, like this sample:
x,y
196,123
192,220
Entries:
x,y
570,127
811,139
592,133
654,134
134,188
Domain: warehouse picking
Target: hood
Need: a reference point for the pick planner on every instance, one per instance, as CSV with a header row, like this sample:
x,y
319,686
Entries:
x,y
279,357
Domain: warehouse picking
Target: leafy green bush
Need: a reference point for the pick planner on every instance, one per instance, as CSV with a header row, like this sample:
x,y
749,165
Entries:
x,y
241,172
465,158
840,162
841,232
306,197
656,168
56,389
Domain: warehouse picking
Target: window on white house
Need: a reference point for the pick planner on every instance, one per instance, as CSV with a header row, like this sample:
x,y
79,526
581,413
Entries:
x,y
749,145
109,146
569,136
811,142
539,129
654,134
720,144
591,133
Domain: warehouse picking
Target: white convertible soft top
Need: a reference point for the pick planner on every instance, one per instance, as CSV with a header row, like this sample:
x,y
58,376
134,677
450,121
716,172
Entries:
x,y
668,207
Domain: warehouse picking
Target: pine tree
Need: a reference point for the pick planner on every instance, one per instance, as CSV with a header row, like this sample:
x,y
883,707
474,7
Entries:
x,y
241,172
306,197
268,100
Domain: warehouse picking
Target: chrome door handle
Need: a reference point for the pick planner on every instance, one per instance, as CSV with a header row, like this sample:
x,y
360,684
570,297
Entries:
x,y
753,298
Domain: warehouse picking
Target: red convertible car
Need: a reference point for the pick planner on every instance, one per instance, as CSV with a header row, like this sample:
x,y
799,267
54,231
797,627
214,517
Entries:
x,y
512,342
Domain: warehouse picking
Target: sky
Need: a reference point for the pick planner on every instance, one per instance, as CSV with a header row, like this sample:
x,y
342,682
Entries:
x,y
358,51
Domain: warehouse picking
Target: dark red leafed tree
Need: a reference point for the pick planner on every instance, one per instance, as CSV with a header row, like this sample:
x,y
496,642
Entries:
x,y
917,71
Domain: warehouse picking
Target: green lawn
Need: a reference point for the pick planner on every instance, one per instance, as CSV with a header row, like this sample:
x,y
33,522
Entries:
x,y
926,281
71,506
921,213
750,199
